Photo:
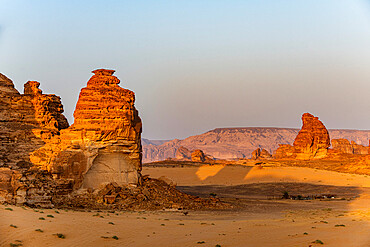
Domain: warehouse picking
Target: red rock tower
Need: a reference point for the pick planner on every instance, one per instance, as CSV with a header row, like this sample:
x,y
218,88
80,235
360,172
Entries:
x,y
313,138
312,141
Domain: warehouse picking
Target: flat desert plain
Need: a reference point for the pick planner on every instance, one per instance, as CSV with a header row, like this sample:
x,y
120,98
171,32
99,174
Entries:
x,y
259,217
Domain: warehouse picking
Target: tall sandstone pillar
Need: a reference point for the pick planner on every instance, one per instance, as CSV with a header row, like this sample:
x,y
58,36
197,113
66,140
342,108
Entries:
x,y
312,141
103,144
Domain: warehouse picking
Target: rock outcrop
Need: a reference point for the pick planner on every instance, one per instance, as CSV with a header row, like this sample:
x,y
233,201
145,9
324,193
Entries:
x,y
235,143
311,142
344,146
223,143
182,153
198,156
313,139
103,144
95,163
261,153
27,121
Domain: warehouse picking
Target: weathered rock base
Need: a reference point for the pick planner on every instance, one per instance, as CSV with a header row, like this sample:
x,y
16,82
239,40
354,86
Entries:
x,y
152,194
37,188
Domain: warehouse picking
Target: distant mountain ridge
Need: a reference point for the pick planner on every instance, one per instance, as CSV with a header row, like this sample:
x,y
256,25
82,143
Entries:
x,y
240,142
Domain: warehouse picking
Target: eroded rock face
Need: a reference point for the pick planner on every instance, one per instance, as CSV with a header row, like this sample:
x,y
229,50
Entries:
x,y
104,143
233,143
344,146
313,139
198,156
311,142
261,153
27,121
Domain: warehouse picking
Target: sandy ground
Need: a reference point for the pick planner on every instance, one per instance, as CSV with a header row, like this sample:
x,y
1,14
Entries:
x,y
234,175
260,222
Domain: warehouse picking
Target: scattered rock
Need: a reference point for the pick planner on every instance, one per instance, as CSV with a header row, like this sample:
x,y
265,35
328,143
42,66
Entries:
x,y
261,153
198,156
153,194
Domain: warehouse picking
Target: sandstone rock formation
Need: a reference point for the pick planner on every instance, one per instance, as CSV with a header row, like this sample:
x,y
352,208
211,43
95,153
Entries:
x,y
311,142
261,153
182,153
27,121
103,144
313,139
198,156
223,143
344,146
234,143
45,163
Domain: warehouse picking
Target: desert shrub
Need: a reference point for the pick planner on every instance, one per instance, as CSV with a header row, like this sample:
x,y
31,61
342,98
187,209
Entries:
x,y
286,195
14,245
318,241
60,235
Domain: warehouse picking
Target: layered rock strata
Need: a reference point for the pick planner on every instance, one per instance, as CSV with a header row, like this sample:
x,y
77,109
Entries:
x,y
100,152
311,142
27,121
104,143
344,146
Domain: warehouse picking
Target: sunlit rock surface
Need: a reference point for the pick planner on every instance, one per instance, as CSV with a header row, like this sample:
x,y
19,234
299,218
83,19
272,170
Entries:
x,y
104,143
311,142
344,146
261,153
27,121
235,143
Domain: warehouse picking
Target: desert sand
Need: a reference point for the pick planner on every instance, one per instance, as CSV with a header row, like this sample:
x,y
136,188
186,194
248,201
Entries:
x,y
258,222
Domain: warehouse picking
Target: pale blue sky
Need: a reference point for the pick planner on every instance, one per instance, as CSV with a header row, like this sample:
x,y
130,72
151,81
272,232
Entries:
x,y
198,65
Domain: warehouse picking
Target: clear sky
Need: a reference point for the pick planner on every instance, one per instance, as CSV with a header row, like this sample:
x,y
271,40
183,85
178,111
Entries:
x,y
200,64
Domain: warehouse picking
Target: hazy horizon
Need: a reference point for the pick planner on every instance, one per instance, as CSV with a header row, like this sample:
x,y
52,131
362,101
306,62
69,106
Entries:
x,y
199,65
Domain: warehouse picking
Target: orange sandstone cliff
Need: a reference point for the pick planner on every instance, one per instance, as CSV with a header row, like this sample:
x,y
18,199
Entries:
x,y
103,144
27,121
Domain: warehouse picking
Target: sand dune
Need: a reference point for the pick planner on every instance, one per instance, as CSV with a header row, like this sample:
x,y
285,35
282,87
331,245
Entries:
x,y
234,175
